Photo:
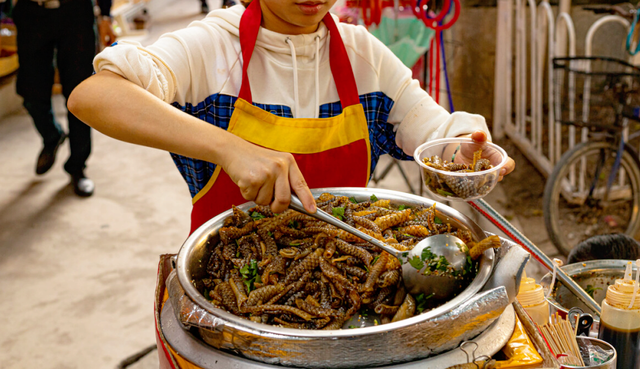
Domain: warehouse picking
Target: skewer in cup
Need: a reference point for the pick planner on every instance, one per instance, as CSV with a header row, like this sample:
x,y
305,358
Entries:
x,y
556,264
635,285
627,272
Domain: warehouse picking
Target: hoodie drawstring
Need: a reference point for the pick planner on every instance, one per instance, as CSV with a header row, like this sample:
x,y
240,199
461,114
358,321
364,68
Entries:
x,y
317,114
295,77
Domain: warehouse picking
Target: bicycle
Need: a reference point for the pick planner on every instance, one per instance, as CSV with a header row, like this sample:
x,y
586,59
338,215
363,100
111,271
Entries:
x,y
625,10
595,186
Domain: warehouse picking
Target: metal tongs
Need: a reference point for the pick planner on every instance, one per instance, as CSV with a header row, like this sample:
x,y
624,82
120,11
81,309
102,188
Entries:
x,y
414,279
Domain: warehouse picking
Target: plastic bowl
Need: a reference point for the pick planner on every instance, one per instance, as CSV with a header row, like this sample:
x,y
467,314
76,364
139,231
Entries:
x,y
462,186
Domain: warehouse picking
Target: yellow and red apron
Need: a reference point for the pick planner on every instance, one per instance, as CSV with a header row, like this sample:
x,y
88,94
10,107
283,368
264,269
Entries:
x,y
330,152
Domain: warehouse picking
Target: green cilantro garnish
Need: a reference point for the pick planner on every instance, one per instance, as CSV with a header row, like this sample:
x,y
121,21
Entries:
x,y
375,259
427,254
421,301
373,198
416,262
442,264
270,234
468,266
402,207
590,290
338,212
352,326
257,216
437,220
294,224
462,247
353,200
250,274
444,193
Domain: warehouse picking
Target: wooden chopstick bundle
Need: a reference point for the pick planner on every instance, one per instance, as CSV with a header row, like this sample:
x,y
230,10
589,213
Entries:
x,y
562,339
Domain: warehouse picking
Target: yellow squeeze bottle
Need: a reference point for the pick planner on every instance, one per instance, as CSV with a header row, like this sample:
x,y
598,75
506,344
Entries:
x,y
531,297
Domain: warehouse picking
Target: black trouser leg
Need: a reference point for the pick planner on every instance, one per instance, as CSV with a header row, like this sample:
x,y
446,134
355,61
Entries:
x,y
36,44
76,45
41,112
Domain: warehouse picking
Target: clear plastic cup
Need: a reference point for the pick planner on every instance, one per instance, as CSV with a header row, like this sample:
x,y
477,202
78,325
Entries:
x,y
462,186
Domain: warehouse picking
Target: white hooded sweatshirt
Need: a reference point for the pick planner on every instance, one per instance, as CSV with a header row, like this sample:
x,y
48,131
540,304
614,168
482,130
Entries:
x,y
199,70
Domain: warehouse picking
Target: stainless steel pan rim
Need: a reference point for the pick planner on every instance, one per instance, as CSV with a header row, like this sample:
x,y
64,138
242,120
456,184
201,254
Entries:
x,y
202,235
590,268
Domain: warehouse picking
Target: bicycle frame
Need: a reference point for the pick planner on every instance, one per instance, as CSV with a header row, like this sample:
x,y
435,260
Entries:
x,y
612,175
618,130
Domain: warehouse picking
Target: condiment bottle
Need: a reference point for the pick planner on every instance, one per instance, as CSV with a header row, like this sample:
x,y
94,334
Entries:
x,y
620,320
531,297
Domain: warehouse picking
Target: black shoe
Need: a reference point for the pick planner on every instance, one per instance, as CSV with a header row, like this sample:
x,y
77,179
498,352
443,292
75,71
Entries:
x,y
48,156
204,9
82,185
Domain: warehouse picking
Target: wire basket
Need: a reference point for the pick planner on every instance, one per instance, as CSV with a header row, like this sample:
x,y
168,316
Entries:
x,y
592,91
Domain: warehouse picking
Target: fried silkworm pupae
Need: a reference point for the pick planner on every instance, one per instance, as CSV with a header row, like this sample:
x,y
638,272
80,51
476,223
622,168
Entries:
x,y
293,271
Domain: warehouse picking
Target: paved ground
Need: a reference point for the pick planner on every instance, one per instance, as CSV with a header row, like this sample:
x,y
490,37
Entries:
x,y
78,275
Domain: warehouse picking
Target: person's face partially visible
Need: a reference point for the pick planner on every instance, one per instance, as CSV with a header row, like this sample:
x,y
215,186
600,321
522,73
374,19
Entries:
x,y
294,16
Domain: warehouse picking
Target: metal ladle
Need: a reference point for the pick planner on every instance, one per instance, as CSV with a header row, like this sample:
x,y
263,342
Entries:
x,y
443,287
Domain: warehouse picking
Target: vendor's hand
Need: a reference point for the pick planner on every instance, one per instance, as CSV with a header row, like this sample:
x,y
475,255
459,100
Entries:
x,y
465,154
105,32
267,177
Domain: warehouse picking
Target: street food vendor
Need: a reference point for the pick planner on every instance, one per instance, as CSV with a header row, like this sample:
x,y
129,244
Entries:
x,y
278,96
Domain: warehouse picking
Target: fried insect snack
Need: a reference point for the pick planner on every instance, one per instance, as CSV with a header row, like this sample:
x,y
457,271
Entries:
x,y
476,249
460,186
291,270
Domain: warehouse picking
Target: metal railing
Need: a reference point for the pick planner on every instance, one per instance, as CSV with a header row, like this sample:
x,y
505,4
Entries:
x,y
520,111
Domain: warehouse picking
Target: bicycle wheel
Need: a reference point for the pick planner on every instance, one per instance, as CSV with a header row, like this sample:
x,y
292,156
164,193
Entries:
x,y
577,204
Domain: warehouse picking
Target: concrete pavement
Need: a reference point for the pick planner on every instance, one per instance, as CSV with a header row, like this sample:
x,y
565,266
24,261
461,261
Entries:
x,y
77,275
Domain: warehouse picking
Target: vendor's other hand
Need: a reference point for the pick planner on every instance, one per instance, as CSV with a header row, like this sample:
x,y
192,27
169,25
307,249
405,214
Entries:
x,y
267,177
465,154
107,37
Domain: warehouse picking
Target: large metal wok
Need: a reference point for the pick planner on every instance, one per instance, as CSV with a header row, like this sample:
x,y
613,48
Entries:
x,y
435,331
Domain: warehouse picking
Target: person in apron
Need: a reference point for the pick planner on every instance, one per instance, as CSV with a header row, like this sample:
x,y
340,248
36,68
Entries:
x,y
290,101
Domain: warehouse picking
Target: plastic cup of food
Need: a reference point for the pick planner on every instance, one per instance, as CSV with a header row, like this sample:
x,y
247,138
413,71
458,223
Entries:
x,y
461,185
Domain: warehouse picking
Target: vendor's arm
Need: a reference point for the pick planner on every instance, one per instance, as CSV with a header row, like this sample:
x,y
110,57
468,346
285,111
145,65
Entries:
x,y
130,97
121,109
